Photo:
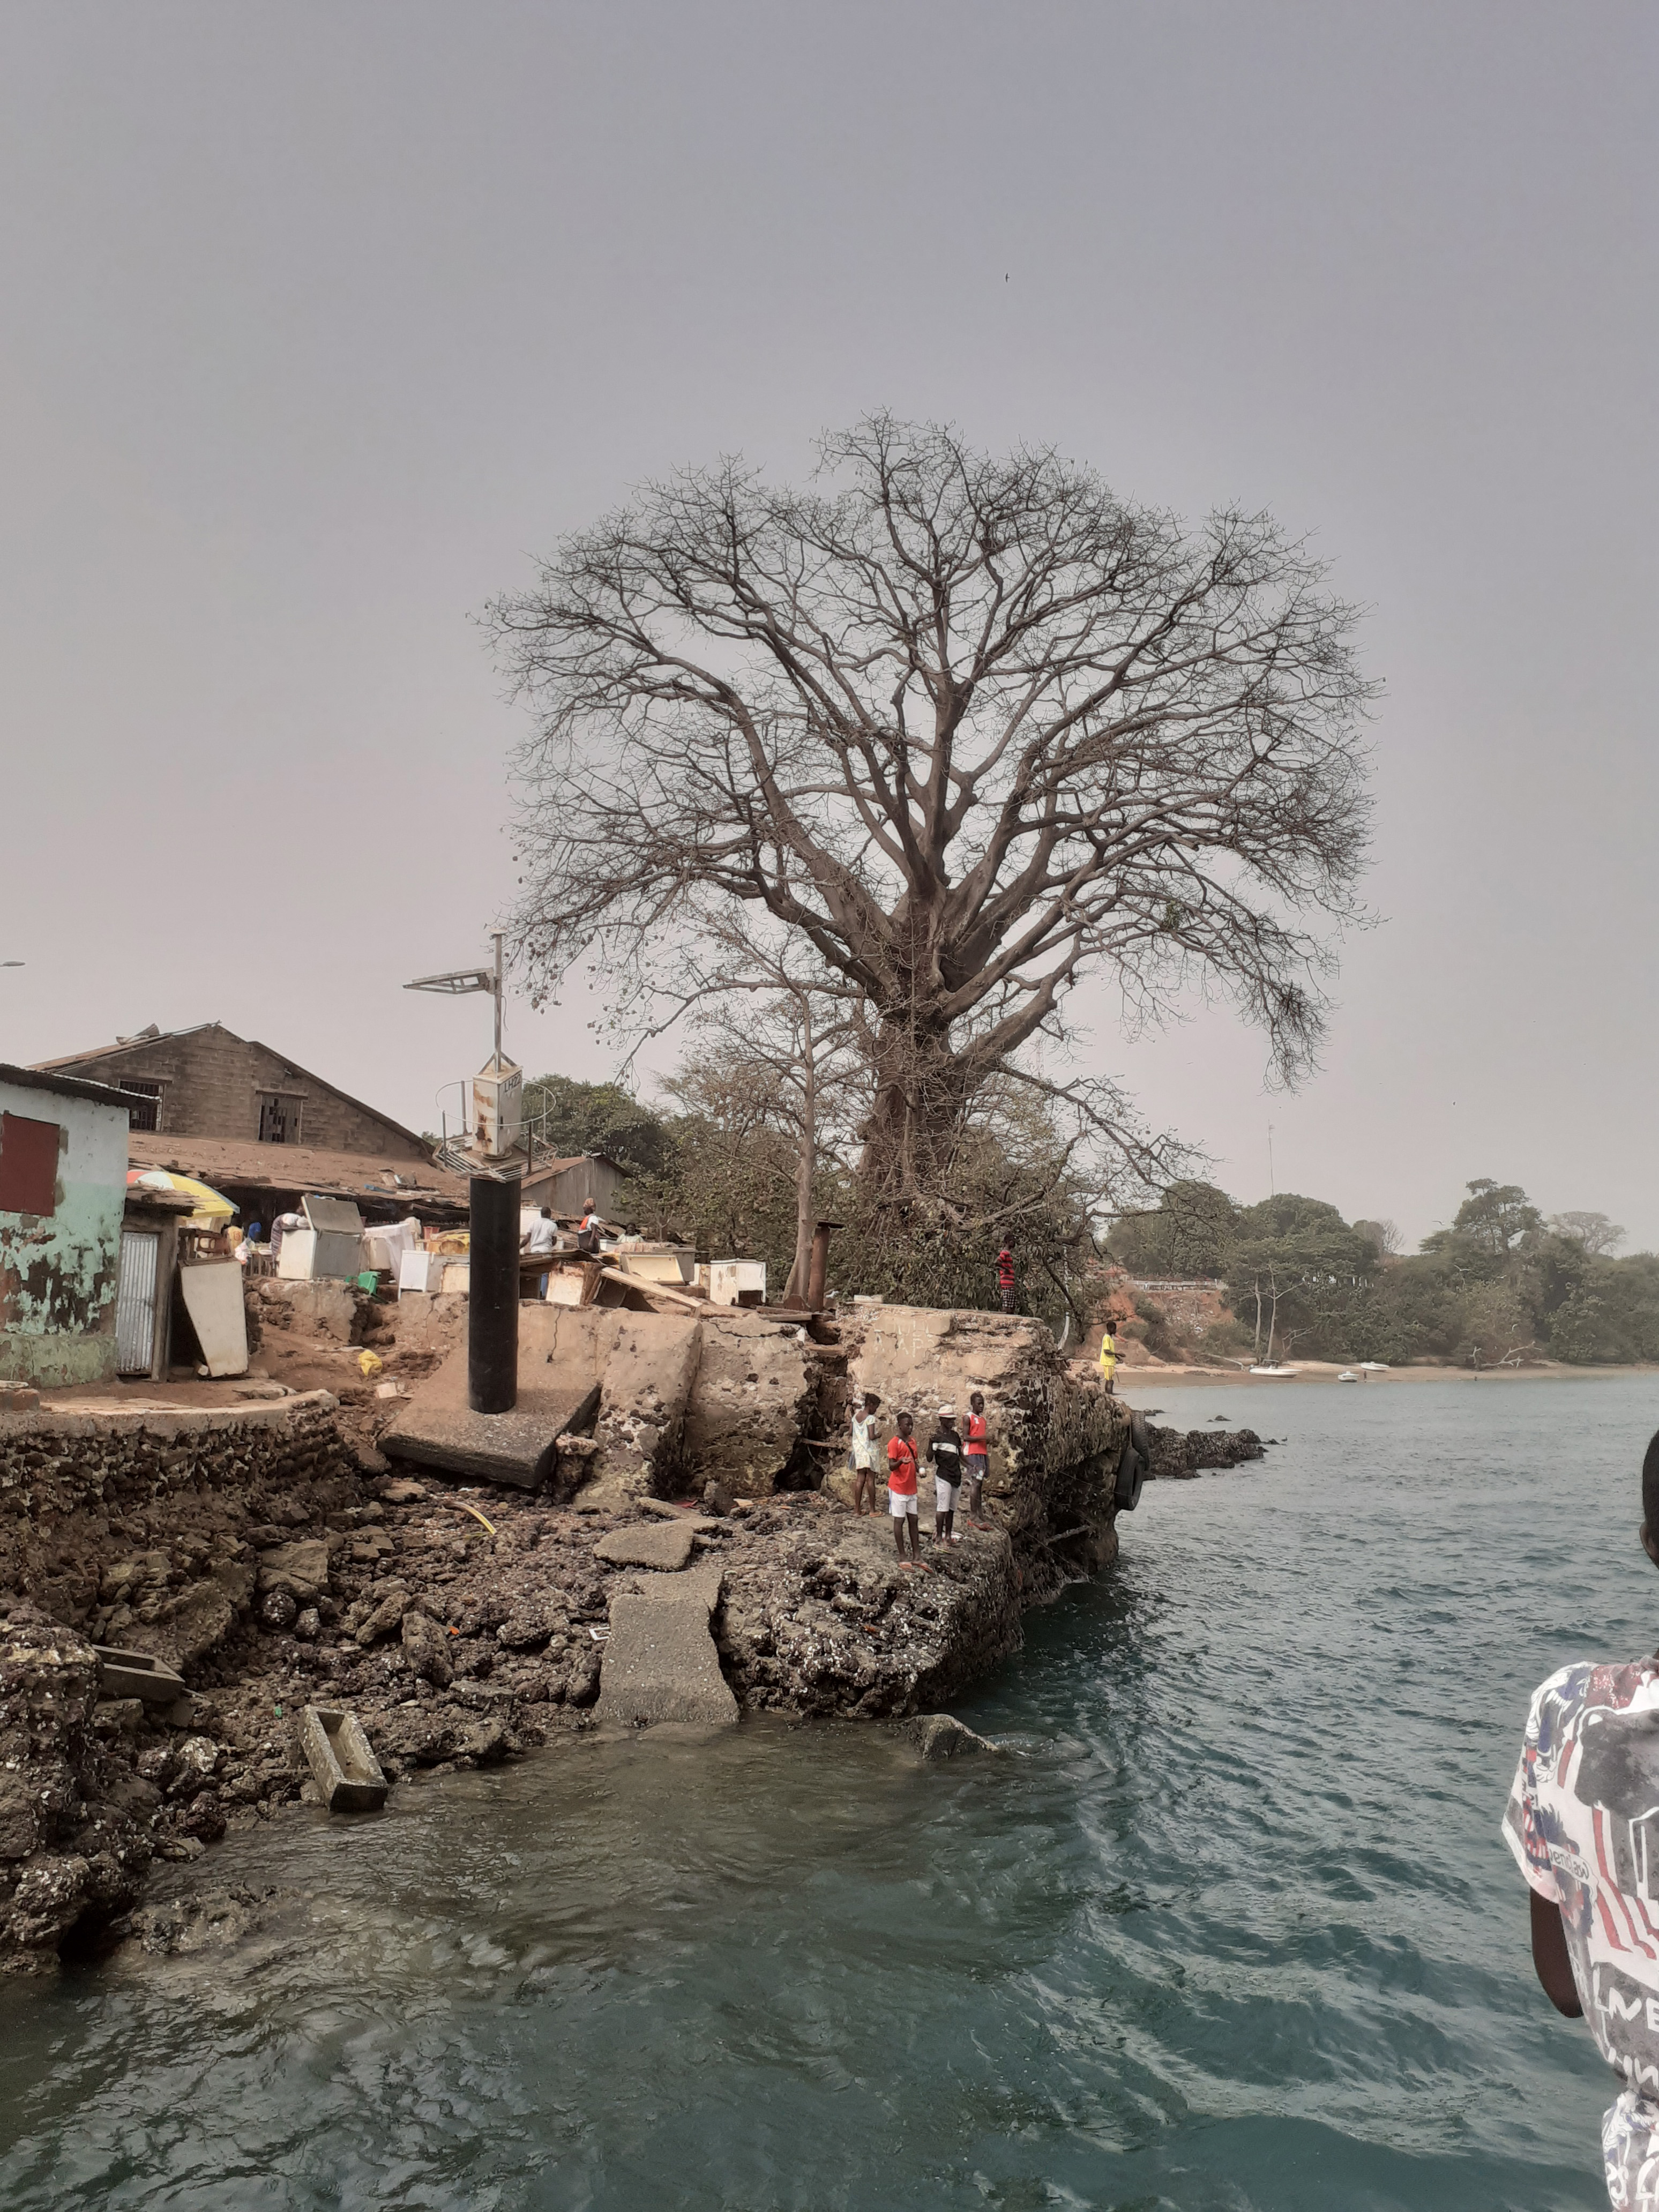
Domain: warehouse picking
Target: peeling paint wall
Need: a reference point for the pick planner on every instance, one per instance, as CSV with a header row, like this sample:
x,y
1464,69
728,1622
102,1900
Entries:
x,y
59,1269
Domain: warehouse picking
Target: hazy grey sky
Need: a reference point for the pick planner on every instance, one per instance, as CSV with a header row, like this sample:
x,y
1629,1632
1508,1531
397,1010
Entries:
x,y
320,320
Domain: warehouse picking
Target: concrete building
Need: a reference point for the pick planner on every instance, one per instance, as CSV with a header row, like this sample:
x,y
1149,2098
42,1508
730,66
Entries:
x,y
63,1193
209,1082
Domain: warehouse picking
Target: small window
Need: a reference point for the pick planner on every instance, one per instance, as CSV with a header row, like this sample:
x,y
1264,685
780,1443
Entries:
x,y
279,1118
28,1165
148,1115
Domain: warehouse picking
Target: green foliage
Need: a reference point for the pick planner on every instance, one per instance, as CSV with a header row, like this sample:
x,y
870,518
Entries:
x,y
1611,1314
1498,1286
1295,1270
725,1178
1191,1234
1011,1182
1489,1225
568,1117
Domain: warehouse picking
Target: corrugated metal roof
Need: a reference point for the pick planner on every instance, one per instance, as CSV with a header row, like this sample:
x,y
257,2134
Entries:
x,y
219,1160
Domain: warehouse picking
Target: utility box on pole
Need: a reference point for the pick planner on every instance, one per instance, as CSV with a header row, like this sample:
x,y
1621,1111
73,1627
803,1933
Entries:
x,y
498,1108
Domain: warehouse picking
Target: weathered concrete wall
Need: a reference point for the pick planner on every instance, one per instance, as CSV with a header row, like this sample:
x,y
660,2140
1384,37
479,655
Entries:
x,y
759,1391
59,1267
687,1398
189,1485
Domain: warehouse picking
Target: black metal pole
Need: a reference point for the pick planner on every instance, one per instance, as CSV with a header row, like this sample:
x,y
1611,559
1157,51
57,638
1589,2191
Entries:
x,y
492,1322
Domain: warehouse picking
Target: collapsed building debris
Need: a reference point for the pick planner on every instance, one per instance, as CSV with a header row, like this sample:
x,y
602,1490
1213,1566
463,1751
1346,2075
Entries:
x,y
281,1556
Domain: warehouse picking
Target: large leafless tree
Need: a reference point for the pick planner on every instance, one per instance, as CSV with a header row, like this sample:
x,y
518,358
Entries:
x,y
968,726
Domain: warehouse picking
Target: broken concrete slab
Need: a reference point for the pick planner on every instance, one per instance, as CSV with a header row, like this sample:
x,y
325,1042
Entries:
x,y
346,1770
700,1524
755,1394
319,1308
440,1429
387,1616
123,1673
668,1547
938,1735
641,1421
302,1569
659,1661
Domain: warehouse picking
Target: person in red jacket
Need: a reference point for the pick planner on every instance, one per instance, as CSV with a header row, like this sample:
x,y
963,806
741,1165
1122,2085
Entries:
x,y
1005,1278
902,1491
976,1458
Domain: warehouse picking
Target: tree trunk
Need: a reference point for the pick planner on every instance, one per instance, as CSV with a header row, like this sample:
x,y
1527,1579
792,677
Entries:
x,y
922,1088
806,1162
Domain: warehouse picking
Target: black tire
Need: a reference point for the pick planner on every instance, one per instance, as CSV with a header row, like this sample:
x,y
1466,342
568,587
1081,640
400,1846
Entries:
x,y
1131,1474
1141,1436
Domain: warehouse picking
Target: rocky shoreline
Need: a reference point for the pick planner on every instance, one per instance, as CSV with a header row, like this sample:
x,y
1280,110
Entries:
x,y
279,1563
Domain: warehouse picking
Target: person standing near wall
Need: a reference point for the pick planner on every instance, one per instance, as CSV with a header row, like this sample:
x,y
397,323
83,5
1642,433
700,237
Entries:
x,y
540,1239
945,1457
861,1454
902,1491
976,1451
1006,1279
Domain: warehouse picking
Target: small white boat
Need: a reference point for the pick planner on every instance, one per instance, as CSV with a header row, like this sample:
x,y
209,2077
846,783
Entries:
x,y
1373,1366
1347,1376
1282,1371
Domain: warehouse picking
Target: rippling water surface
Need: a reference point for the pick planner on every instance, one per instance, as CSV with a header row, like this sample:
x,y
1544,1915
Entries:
x,y
1233,1927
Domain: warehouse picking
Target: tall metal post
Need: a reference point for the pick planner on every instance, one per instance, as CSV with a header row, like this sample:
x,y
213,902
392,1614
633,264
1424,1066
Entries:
x,y
498,934
492,1322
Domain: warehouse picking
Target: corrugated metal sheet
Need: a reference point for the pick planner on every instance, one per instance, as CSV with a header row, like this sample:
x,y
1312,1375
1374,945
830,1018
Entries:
x,y
135,1302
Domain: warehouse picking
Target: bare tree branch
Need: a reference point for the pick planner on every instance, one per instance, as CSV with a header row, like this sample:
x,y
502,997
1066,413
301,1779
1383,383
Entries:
x,y
963,729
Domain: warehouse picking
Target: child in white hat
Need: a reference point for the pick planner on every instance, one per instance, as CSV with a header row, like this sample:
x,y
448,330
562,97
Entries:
x,y
944,1454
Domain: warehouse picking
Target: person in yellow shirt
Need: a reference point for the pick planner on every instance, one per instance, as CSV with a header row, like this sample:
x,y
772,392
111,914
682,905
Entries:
x,y
1107,1355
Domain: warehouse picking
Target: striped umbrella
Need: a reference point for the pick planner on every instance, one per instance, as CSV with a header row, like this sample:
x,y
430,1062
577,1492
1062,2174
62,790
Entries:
x,y
211,1207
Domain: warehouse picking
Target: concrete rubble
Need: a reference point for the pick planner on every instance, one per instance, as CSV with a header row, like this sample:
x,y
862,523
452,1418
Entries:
x,y
661,1662
940,1735
281,1556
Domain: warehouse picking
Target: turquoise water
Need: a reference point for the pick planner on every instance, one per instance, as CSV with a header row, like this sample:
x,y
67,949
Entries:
x,y
1231,1928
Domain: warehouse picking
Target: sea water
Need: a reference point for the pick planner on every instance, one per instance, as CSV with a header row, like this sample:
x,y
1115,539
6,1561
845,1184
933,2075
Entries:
x,y
1230,1926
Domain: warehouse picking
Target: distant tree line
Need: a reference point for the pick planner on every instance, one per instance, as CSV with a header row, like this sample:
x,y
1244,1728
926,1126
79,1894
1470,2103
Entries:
x,y
1502,1283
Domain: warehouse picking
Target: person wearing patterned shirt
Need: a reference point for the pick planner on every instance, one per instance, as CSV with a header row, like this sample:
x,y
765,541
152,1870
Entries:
x,y
1006,1279
1583,1821
902,1491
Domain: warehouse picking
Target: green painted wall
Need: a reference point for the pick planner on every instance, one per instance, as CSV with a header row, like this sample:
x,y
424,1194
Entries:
x,y
59,1271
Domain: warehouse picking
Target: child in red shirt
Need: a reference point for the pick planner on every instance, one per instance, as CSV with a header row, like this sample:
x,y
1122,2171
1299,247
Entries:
x,y
975,1458
902,1490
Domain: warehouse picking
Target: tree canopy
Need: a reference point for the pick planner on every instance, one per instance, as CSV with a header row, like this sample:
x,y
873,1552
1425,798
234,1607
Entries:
x,y
968,727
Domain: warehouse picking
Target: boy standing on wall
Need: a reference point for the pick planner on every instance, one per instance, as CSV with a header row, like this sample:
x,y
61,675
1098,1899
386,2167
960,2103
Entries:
x,y
975,1459
1578,1823
902,1491
861,1457
1107,1353
944,1454
1005,1278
